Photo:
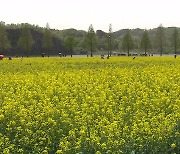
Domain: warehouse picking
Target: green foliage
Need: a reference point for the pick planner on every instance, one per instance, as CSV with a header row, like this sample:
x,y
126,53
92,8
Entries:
x,y
145,42
102,43
90,40
69,44
47,42
113,42
4,42
160,39
82,42
127,43
175,40
26,40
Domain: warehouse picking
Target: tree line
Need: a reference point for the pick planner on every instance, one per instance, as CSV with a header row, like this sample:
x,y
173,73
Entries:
x,y
28,40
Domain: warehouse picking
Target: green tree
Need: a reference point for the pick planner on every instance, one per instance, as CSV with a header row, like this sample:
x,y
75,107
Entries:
x,y
175,40
4,42
127,42
47,43
110,40
145,42
26,40
160,39
91,39
69,44
110,44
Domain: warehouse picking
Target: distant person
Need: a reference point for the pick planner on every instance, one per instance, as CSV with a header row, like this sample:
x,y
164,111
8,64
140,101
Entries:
x,y
1,57
175,55
102,56
43,54
21,58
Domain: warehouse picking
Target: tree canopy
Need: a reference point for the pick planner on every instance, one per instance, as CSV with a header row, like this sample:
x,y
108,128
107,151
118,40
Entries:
x,y
145,42
52,41
26,40
160,39
91,40
4,41
175,40
127,43
69,44
47,43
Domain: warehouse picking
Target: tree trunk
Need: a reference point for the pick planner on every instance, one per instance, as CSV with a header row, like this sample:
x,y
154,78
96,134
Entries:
x,y
91,47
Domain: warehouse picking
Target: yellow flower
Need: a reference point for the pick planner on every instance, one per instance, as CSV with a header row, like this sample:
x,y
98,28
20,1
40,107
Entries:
x,y
59,151
98,152
173,145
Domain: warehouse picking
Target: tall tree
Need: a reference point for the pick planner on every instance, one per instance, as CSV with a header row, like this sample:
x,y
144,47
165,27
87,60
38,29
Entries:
x,y
145,42
127,43
4,42
26,40
91,39
110,40
160,39
47,43
175,41
69,44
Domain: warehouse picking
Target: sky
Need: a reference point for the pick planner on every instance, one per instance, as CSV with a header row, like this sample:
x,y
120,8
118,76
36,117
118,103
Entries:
x,y
79,14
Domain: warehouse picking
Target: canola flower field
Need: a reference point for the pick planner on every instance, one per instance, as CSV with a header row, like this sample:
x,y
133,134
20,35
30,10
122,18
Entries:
x,y
90,105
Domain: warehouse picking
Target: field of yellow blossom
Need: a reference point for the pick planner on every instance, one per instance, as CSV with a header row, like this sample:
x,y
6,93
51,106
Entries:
x,y
90,105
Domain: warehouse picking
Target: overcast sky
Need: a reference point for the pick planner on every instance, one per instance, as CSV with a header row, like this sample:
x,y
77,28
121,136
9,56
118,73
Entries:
x,y
79,14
